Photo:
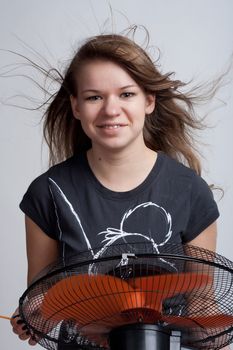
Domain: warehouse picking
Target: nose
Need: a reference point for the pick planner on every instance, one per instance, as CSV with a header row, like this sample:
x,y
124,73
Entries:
x,y
112,107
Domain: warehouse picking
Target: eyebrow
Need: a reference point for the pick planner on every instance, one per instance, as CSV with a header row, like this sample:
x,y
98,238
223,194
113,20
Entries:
x,y
98,91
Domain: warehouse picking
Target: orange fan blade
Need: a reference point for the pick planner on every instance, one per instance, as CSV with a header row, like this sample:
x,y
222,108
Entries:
x,y
86,298
212,321
160,287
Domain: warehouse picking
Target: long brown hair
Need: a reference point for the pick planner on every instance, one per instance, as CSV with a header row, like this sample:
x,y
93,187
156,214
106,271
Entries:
x,y
169,128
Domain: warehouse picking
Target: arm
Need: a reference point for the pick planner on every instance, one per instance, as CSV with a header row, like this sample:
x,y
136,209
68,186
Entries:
x,y
207,238
41,251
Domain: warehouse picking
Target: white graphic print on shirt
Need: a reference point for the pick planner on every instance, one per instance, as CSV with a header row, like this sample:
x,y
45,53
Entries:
x,y
111,234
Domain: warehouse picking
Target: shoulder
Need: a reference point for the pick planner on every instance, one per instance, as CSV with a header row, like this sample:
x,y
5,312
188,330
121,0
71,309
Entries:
x,y
178,171
175,166
38,201
58,172
192,190
184,181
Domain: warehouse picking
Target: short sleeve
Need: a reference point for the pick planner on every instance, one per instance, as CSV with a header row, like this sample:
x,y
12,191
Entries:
x,y
203,209
37,204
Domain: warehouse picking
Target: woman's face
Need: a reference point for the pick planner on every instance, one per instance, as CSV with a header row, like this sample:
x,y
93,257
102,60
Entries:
x,y
111,106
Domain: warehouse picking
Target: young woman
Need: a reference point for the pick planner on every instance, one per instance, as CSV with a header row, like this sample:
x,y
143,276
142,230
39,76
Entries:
x,y
118,132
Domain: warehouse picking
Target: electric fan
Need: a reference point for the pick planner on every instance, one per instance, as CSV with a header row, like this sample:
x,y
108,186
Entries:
x,y
131,297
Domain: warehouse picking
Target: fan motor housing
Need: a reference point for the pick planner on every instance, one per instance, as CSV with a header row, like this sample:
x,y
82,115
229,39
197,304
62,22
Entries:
x,y
143,336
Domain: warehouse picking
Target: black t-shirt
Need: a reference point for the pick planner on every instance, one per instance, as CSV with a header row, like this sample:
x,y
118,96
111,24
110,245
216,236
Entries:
x,y
70,205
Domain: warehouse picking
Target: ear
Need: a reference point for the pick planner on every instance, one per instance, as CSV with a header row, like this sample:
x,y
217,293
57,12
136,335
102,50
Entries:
x,y
74,106
150,103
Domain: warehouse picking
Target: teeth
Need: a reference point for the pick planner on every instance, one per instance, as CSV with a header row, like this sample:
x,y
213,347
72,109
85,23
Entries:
x,y
111,126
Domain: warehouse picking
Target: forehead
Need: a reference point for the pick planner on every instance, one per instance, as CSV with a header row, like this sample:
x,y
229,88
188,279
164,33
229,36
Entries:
x,y
103,73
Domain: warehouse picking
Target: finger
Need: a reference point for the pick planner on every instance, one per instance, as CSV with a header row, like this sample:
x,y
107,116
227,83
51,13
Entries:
x,y
24,336
15,314
17,331
20,329
15,321
32,341
19,321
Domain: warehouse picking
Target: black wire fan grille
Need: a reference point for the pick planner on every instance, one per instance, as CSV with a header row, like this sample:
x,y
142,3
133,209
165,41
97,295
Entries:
x,y
82,300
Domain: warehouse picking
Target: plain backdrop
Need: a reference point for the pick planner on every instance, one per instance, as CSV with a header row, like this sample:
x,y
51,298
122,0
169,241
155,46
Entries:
x,y
195,38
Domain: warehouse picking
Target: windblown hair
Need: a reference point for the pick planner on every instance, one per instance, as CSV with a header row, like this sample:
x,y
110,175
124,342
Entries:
x,y
169,128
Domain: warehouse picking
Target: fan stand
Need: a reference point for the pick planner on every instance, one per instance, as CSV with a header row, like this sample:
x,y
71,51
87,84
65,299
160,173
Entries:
x,y
144,337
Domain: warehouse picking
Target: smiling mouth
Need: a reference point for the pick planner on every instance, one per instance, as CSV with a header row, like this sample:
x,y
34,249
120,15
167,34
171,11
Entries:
x,y
109,126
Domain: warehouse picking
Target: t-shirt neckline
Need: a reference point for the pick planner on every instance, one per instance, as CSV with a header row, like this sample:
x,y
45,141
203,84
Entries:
x,y
106,192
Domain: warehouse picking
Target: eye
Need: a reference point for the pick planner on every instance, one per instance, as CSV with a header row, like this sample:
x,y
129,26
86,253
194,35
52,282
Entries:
x,y
127,94
93,98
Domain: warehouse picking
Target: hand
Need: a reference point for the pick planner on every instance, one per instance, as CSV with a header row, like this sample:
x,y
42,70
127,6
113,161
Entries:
x,y
20,329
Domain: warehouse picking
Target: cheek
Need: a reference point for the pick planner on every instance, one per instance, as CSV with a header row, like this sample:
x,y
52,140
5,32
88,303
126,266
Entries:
x,y
87,118
89,111
84,113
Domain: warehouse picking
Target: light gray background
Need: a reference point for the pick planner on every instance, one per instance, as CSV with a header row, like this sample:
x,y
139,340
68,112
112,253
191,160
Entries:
x,y
196,40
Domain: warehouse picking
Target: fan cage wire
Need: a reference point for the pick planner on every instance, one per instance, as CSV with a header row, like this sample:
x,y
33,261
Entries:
x,y
185,258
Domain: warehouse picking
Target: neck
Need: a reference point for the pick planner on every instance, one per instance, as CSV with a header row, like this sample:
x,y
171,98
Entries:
x,y
121,171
